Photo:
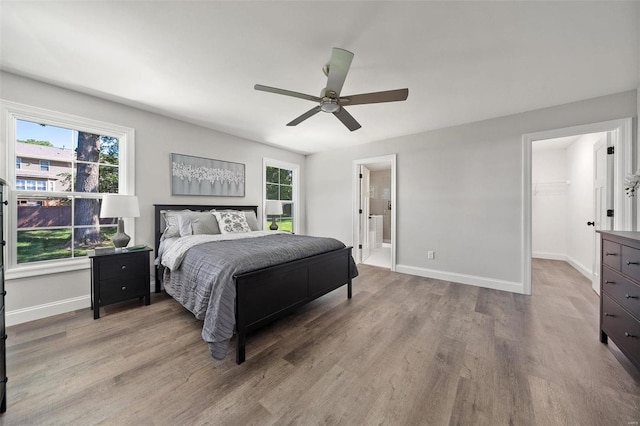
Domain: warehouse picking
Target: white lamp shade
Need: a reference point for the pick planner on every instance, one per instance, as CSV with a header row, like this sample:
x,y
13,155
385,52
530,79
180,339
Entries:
x,y
273,207
116,205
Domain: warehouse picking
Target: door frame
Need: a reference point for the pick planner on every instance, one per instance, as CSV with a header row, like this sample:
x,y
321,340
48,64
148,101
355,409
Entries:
x,y
623,220
391,158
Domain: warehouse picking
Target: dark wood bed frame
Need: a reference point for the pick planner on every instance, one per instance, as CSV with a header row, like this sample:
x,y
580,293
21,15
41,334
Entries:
x,y
267,294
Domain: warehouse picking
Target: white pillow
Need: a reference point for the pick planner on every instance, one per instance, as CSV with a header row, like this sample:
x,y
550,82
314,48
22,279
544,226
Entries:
x,y
232,222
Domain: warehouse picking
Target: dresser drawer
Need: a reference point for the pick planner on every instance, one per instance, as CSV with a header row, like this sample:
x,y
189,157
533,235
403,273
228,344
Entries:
x,y
622,290
121,267
611,253
621,327
630,262
117,289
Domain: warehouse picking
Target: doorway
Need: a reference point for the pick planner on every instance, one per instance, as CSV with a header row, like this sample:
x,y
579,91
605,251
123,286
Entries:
x,y
374,220
572,184
619,138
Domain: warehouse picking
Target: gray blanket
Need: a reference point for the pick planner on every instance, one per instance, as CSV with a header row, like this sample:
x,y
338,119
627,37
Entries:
x,y
204,282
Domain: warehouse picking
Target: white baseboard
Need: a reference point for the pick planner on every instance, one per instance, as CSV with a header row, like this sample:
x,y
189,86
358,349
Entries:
x,y
571,261
580,268
31,313
477,281
549,256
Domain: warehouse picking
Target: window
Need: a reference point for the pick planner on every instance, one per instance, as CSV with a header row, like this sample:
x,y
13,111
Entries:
x,y
281,183
56,218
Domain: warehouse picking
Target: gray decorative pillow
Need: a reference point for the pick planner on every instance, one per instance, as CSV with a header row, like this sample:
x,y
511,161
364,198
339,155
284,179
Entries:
x,y
170,220
252,220
232,222
197,223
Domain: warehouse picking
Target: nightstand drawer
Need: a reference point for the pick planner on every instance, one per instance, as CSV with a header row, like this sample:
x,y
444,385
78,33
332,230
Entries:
x,y
623,291
611,254
630,262
116,289
121,266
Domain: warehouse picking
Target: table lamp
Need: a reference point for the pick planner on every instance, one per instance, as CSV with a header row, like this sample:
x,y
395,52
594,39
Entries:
x,y
119,206
273,208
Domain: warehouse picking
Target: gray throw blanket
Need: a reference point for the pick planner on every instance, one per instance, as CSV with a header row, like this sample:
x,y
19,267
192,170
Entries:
x,y
204,282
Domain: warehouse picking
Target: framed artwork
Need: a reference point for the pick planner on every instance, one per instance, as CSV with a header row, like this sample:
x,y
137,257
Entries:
x,y
205,176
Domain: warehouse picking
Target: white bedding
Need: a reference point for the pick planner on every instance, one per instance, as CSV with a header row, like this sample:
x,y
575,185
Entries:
x,y
173,253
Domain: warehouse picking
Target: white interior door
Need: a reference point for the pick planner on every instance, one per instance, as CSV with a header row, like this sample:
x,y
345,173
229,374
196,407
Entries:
x,y
602,200
364,216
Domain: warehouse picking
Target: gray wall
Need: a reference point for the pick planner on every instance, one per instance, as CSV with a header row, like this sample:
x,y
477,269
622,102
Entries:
x,y
459,191
156,138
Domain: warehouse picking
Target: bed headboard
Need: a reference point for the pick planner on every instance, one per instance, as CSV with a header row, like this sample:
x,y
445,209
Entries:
x,y
157,231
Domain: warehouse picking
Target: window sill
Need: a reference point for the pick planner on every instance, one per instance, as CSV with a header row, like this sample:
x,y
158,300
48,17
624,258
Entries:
x,y
47,268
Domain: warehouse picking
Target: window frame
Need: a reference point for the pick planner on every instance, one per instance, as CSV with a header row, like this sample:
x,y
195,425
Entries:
x,y
295,190
11,112
45,165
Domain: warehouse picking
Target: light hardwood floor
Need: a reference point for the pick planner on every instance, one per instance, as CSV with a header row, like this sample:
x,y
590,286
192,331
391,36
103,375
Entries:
x,y
404,351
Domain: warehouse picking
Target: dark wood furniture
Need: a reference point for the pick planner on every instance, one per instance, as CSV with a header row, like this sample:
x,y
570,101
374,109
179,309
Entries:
x,y
267,294
3,333
620,292
116,277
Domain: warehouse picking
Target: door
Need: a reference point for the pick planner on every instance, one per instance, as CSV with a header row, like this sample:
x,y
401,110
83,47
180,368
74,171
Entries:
x,y
602,201
364,213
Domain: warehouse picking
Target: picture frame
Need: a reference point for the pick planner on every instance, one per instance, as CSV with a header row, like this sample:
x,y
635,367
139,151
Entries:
x,y
206,176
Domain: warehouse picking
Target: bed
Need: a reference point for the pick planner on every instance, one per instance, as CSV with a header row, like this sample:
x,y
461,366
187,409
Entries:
x,y
238,283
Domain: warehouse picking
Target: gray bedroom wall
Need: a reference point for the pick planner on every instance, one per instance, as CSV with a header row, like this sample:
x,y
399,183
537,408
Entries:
x,y
156,137
459,191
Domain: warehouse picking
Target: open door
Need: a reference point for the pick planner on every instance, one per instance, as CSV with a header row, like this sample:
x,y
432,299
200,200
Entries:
x,y
365,176
602,201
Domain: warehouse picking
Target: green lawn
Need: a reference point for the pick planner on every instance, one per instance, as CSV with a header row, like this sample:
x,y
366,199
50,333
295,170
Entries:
x,y
50,244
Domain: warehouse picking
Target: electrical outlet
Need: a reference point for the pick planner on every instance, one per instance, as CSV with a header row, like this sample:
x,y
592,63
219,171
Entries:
x,y
431,255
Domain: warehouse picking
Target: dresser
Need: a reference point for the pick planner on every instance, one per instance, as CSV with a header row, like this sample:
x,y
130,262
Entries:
x,y
620,292
116,277
3,333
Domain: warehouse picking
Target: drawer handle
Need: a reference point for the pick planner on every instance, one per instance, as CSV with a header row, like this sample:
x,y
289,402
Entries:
x,y
610,254
630,297
124,288
628,334
631,263
609,282
606,314
125,266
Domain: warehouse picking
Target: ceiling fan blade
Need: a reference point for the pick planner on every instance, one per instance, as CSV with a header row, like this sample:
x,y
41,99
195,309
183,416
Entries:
x,y
347,119
286,92
338,68
310,113
376,97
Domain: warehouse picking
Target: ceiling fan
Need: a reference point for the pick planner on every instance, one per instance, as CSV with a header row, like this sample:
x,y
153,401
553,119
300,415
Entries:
x,y
330,100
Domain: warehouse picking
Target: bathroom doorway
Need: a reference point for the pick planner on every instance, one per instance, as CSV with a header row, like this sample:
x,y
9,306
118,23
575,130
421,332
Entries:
x,y
374,220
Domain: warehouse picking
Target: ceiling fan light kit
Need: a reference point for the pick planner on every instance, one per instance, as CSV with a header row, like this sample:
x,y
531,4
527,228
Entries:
x,y
330,100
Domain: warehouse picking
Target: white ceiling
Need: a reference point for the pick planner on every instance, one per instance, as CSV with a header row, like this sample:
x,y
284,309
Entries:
x,y
198,61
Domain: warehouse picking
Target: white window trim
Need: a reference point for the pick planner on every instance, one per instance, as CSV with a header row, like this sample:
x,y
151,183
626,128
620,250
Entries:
x,y
12,111
295,168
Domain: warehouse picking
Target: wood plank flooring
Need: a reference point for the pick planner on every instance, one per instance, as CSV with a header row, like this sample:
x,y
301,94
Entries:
x,y
404,351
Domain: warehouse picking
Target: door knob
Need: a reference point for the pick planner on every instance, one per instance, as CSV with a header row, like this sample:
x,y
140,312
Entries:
x,y
591,224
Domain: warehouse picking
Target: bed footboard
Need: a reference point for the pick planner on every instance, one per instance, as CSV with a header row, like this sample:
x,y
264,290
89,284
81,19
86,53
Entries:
x,y
267,294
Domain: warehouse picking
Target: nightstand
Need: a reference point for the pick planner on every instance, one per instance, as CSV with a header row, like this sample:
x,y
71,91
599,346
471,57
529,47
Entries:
x,y
116,277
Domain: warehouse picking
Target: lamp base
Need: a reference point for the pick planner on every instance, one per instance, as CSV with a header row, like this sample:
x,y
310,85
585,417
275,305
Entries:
x,y
274,225
120,239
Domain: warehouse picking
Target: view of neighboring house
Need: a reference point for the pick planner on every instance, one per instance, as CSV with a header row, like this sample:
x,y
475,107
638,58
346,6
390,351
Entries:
x,y
42,168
